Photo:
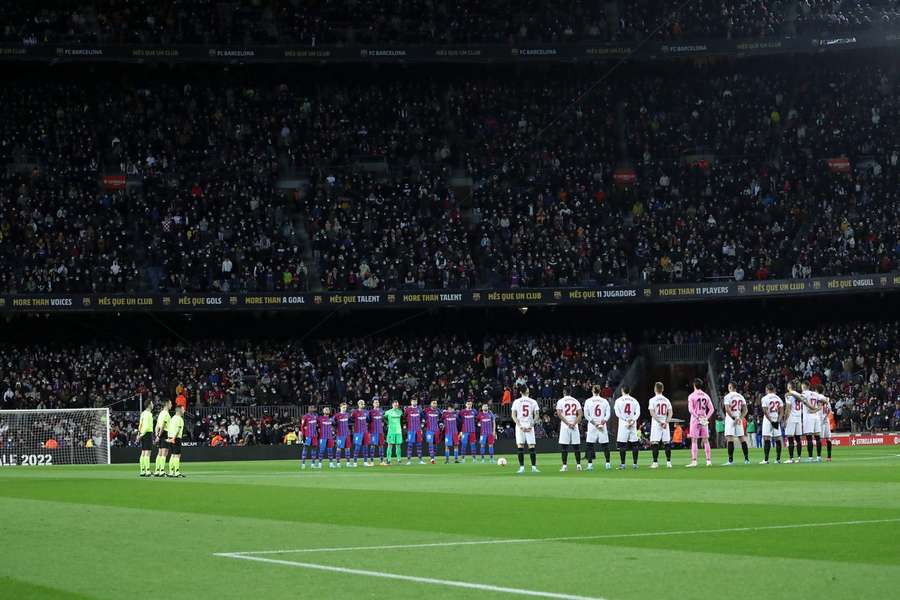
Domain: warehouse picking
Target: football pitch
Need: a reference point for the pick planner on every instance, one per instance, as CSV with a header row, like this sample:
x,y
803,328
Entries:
x,y
268,530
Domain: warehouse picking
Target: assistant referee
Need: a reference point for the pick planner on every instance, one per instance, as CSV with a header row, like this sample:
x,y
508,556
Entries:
x,y
145,434
173,436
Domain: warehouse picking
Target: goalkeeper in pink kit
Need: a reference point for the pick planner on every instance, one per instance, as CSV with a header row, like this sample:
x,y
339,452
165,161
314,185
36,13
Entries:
x,y
701,408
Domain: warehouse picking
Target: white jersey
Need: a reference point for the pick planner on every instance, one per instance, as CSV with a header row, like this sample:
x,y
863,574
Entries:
x,y
627,409
813,398
796,406
596,411
733,404
660,407
825,406
568,407
771,406
526,411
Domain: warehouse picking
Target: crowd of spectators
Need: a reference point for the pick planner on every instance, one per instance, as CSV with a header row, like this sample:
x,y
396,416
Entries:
x,y
729,166
219,372
431,21
858,363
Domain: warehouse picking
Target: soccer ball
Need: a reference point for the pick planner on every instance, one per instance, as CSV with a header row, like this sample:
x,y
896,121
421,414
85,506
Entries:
x,y
501,462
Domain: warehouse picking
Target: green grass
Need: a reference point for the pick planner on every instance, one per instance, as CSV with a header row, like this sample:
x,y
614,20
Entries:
x,y
102,532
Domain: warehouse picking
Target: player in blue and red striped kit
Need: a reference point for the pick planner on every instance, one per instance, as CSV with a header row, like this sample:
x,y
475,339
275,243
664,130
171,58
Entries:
x,y
342,437
309,437
376,432
412,414
326,436
467,437
432,427
451,435
487,430
359,420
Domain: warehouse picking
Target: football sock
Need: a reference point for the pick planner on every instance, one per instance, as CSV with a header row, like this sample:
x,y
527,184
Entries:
x,y
746,450
521,454
655,448
533,456
767,447
730,451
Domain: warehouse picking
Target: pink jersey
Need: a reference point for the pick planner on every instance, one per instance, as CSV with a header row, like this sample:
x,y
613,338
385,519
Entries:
x,y
700,406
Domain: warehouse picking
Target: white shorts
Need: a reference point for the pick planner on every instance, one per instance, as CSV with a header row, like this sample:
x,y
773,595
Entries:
x,y
597,436
733,427
524,437
792,428
769,430
826,428
568,435
659,433
626,435
812,424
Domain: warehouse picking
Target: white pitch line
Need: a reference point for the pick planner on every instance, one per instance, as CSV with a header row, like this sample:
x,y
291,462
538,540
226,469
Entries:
x,y
428,580
564,539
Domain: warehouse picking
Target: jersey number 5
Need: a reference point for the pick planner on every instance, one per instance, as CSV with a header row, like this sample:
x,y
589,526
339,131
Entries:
x,y
524,410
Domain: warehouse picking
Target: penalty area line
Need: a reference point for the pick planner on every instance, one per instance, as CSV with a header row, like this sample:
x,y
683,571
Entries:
x,y
579,538
426,580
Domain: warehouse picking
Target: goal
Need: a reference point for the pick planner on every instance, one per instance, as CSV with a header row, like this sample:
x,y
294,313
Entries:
x,y
68,436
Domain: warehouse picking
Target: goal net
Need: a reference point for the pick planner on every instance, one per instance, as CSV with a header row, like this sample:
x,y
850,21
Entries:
x,y
73,436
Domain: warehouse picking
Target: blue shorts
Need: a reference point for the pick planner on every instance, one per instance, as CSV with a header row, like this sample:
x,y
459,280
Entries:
x,y
309,441
483,440
429,437
340,442
450,440
358,438
374,439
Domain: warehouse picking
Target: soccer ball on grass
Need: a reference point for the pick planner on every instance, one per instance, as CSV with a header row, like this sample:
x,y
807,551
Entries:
x,y
501,462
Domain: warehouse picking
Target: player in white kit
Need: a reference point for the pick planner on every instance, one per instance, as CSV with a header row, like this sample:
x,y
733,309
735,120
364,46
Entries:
x,y
735,407
524,412
660,414
825,403
812,420
568,409
596,413
793,421
627,410
773,413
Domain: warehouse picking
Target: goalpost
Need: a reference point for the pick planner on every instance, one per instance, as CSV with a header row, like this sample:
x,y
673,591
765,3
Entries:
x,y
65,436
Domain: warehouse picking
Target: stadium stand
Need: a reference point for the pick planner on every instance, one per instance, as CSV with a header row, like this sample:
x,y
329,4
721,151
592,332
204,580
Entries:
x,y
441,21
713,195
